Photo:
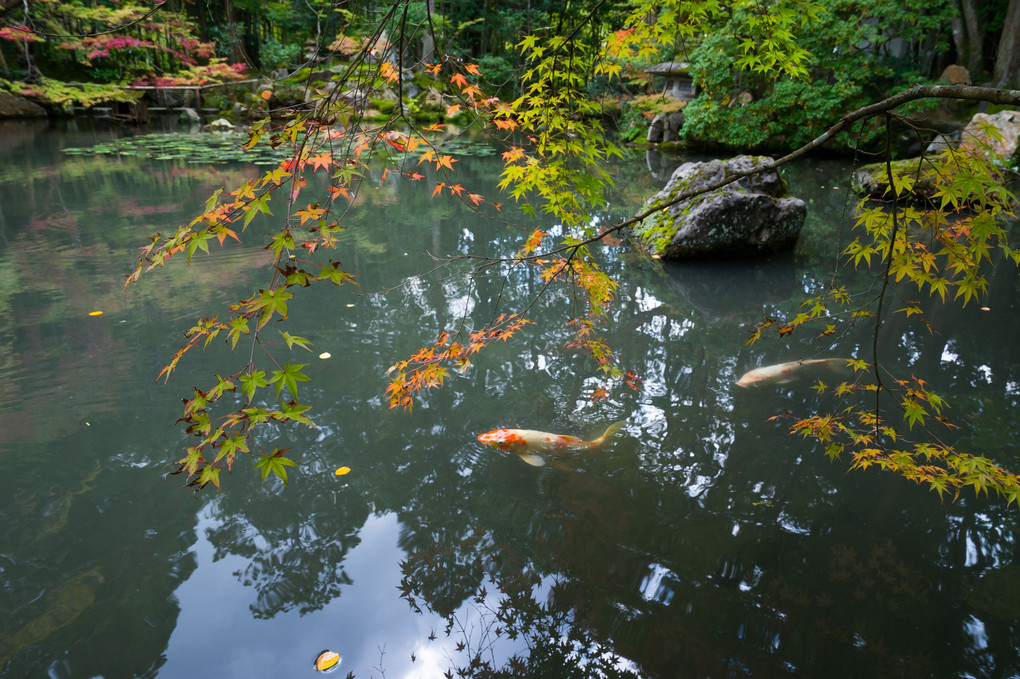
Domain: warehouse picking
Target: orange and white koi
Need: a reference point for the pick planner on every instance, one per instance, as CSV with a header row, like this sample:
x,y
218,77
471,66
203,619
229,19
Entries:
x,y
782,373
528,443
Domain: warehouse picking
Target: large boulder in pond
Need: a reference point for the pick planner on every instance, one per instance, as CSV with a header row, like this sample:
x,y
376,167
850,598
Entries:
x,y
754,215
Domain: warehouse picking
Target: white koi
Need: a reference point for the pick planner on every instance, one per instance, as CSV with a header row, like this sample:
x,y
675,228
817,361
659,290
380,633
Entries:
x,y
782,373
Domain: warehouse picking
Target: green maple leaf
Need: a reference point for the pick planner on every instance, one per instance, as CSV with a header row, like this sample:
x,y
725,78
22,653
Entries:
x,y
199,240
207,475
252,381
282,240
230,447
288,377
271,301
258,415
294,411
291,340
238,326
190,461
275,464
333,274
222,385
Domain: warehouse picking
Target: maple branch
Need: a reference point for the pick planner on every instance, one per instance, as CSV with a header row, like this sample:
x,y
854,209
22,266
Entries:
x,y
888,268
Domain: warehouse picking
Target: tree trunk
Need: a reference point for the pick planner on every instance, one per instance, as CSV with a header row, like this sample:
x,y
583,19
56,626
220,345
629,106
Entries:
x,y
428,42
968,37
1007,61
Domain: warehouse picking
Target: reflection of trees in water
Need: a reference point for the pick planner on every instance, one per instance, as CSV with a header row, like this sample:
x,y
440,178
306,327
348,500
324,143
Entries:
x,y
84,569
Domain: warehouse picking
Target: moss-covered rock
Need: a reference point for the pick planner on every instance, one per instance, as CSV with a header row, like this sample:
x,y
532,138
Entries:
x,y
752,216
14,106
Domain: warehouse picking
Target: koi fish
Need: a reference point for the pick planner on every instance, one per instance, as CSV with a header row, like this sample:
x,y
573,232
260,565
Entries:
x,y
527,443
782,373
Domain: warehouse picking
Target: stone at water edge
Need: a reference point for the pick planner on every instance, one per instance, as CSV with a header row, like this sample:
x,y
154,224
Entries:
x,y
752,216
15,106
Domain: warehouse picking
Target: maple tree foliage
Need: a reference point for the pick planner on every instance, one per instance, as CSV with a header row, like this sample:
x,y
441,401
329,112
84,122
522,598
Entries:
x,y
555,164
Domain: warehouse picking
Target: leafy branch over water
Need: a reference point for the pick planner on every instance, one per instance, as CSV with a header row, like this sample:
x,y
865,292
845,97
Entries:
x,y
554,163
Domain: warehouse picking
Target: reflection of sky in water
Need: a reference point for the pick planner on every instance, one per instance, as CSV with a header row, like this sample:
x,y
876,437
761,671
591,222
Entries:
x,y
655,585
369,625
976,629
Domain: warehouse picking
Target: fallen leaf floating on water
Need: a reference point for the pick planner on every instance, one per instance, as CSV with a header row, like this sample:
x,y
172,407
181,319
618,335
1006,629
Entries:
x,y
95,313
342,470
984,308
324,355
326,660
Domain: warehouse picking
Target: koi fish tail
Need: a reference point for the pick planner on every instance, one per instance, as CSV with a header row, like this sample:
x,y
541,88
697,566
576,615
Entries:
x,y
613,428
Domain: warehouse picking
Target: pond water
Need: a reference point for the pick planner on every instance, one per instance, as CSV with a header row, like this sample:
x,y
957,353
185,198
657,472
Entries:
x,y
702,541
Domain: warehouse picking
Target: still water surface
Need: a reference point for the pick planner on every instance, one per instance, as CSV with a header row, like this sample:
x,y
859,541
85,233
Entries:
x,y
703,541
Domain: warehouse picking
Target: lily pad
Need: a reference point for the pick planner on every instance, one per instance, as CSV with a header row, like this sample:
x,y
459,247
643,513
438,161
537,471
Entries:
x,y
203,148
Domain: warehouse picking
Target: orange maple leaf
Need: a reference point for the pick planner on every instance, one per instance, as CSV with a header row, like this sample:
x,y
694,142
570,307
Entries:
x,y
435,68
457,189
416,177
476,198
472,69
435,127
310,212
504,124
438,189
387,71
321,161
335,191
222,232
460,80
445,161
452,110
534,240
515,153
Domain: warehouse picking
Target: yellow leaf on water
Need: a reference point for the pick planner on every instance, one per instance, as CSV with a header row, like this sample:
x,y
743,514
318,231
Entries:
x,y
342,470
326,660
324,355
95,313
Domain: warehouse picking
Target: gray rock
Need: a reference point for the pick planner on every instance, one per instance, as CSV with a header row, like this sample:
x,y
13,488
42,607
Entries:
x,y
752,216
1005,123
14,106
939,143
